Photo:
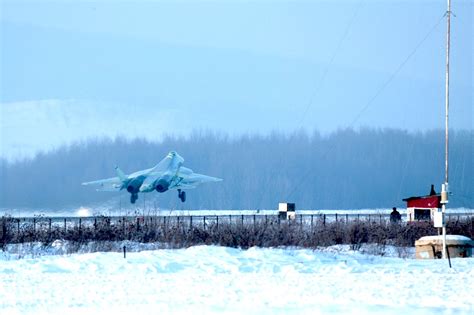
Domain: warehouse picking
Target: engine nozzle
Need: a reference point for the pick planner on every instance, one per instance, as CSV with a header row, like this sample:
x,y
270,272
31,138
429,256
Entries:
x,y
162,186
132,189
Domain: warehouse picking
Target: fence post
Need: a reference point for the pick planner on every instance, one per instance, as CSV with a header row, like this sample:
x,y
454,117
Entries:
x,y
204,222
95,224
34,225
217,222
18,227
242,219
311,221
380,218
191,222
65,226
347,217
80,225
324,219
336,217
254,219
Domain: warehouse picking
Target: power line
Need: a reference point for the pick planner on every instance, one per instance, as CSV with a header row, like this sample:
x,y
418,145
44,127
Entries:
x,y
377,93
331,60
394,74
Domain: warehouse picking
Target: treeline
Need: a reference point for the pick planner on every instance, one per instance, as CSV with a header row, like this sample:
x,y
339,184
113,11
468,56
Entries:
x,y
348,169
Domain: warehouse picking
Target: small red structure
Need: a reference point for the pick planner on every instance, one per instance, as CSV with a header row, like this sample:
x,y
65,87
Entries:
x,y
423,208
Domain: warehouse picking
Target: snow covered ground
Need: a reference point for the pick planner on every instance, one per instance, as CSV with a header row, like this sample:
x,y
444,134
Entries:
x,y
210,279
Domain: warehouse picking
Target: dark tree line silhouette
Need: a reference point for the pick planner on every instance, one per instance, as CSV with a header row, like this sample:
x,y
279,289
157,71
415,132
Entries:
x,y
347,169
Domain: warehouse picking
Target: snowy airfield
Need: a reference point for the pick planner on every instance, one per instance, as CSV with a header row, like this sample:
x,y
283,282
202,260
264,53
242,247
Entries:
x,y
211,279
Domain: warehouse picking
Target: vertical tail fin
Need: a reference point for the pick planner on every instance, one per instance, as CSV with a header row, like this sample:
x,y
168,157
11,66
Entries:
x,y
121,174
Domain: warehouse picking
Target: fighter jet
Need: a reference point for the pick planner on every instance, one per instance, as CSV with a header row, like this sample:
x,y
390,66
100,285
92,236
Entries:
x,y
167,175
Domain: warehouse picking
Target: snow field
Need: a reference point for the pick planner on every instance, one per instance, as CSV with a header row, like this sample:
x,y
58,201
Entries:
x,y
211,279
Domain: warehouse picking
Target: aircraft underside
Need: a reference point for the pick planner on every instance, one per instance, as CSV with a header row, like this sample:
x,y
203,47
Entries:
x,y
181,196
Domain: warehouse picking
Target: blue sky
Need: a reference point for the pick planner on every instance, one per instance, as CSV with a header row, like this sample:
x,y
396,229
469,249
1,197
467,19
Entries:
x,y
239,66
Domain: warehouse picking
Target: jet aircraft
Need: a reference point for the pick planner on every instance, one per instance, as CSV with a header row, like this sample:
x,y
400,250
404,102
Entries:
x,y
168,174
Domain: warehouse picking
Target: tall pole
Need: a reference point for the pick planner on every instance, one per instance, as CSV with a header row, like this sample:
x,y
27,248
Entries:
x,y
445,189
448,39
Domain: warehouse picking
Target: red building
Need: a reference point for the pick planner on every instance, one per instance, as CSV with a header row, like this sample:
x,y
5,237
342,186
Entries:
x,y
422,208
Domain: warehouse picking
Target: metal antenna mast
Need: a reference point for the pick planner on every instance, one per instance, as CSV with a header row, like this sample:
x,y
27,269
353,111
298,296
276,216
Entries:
x,y
448,40
444,187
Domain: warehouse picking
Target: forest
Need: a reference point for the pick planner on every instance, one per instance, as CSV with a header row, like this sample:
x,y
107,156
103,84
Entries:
x,y
346,169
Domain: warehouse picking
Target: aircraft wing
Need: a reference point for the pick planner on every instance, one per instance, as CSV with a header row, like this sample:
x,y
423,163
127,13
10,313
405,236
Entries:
x,y
193,180
109,184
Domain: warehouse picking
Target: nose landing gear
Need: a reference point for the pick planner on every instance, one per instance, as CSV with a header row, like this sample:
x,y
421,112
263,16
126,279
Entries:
x,y
182,195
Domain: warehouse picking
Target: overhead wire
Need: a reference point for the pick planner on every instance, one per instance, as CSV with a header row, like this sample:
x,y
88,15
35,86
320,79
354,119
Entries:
x,y
331,60
376,94
394,74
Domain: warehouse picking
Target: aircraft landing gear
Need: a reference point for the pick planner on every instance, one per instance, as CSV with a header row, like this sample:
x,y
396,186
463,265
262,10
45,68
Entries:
x,y
133,198
182,195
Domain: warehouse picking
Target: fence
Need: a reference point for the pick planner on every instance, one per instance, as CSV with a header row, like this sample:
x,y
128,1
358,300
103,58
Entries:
x,y
128,227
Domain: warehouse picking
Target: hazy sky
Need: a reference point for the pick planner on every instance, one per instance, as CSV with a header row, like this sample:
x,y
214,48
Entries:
x,y
236,66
